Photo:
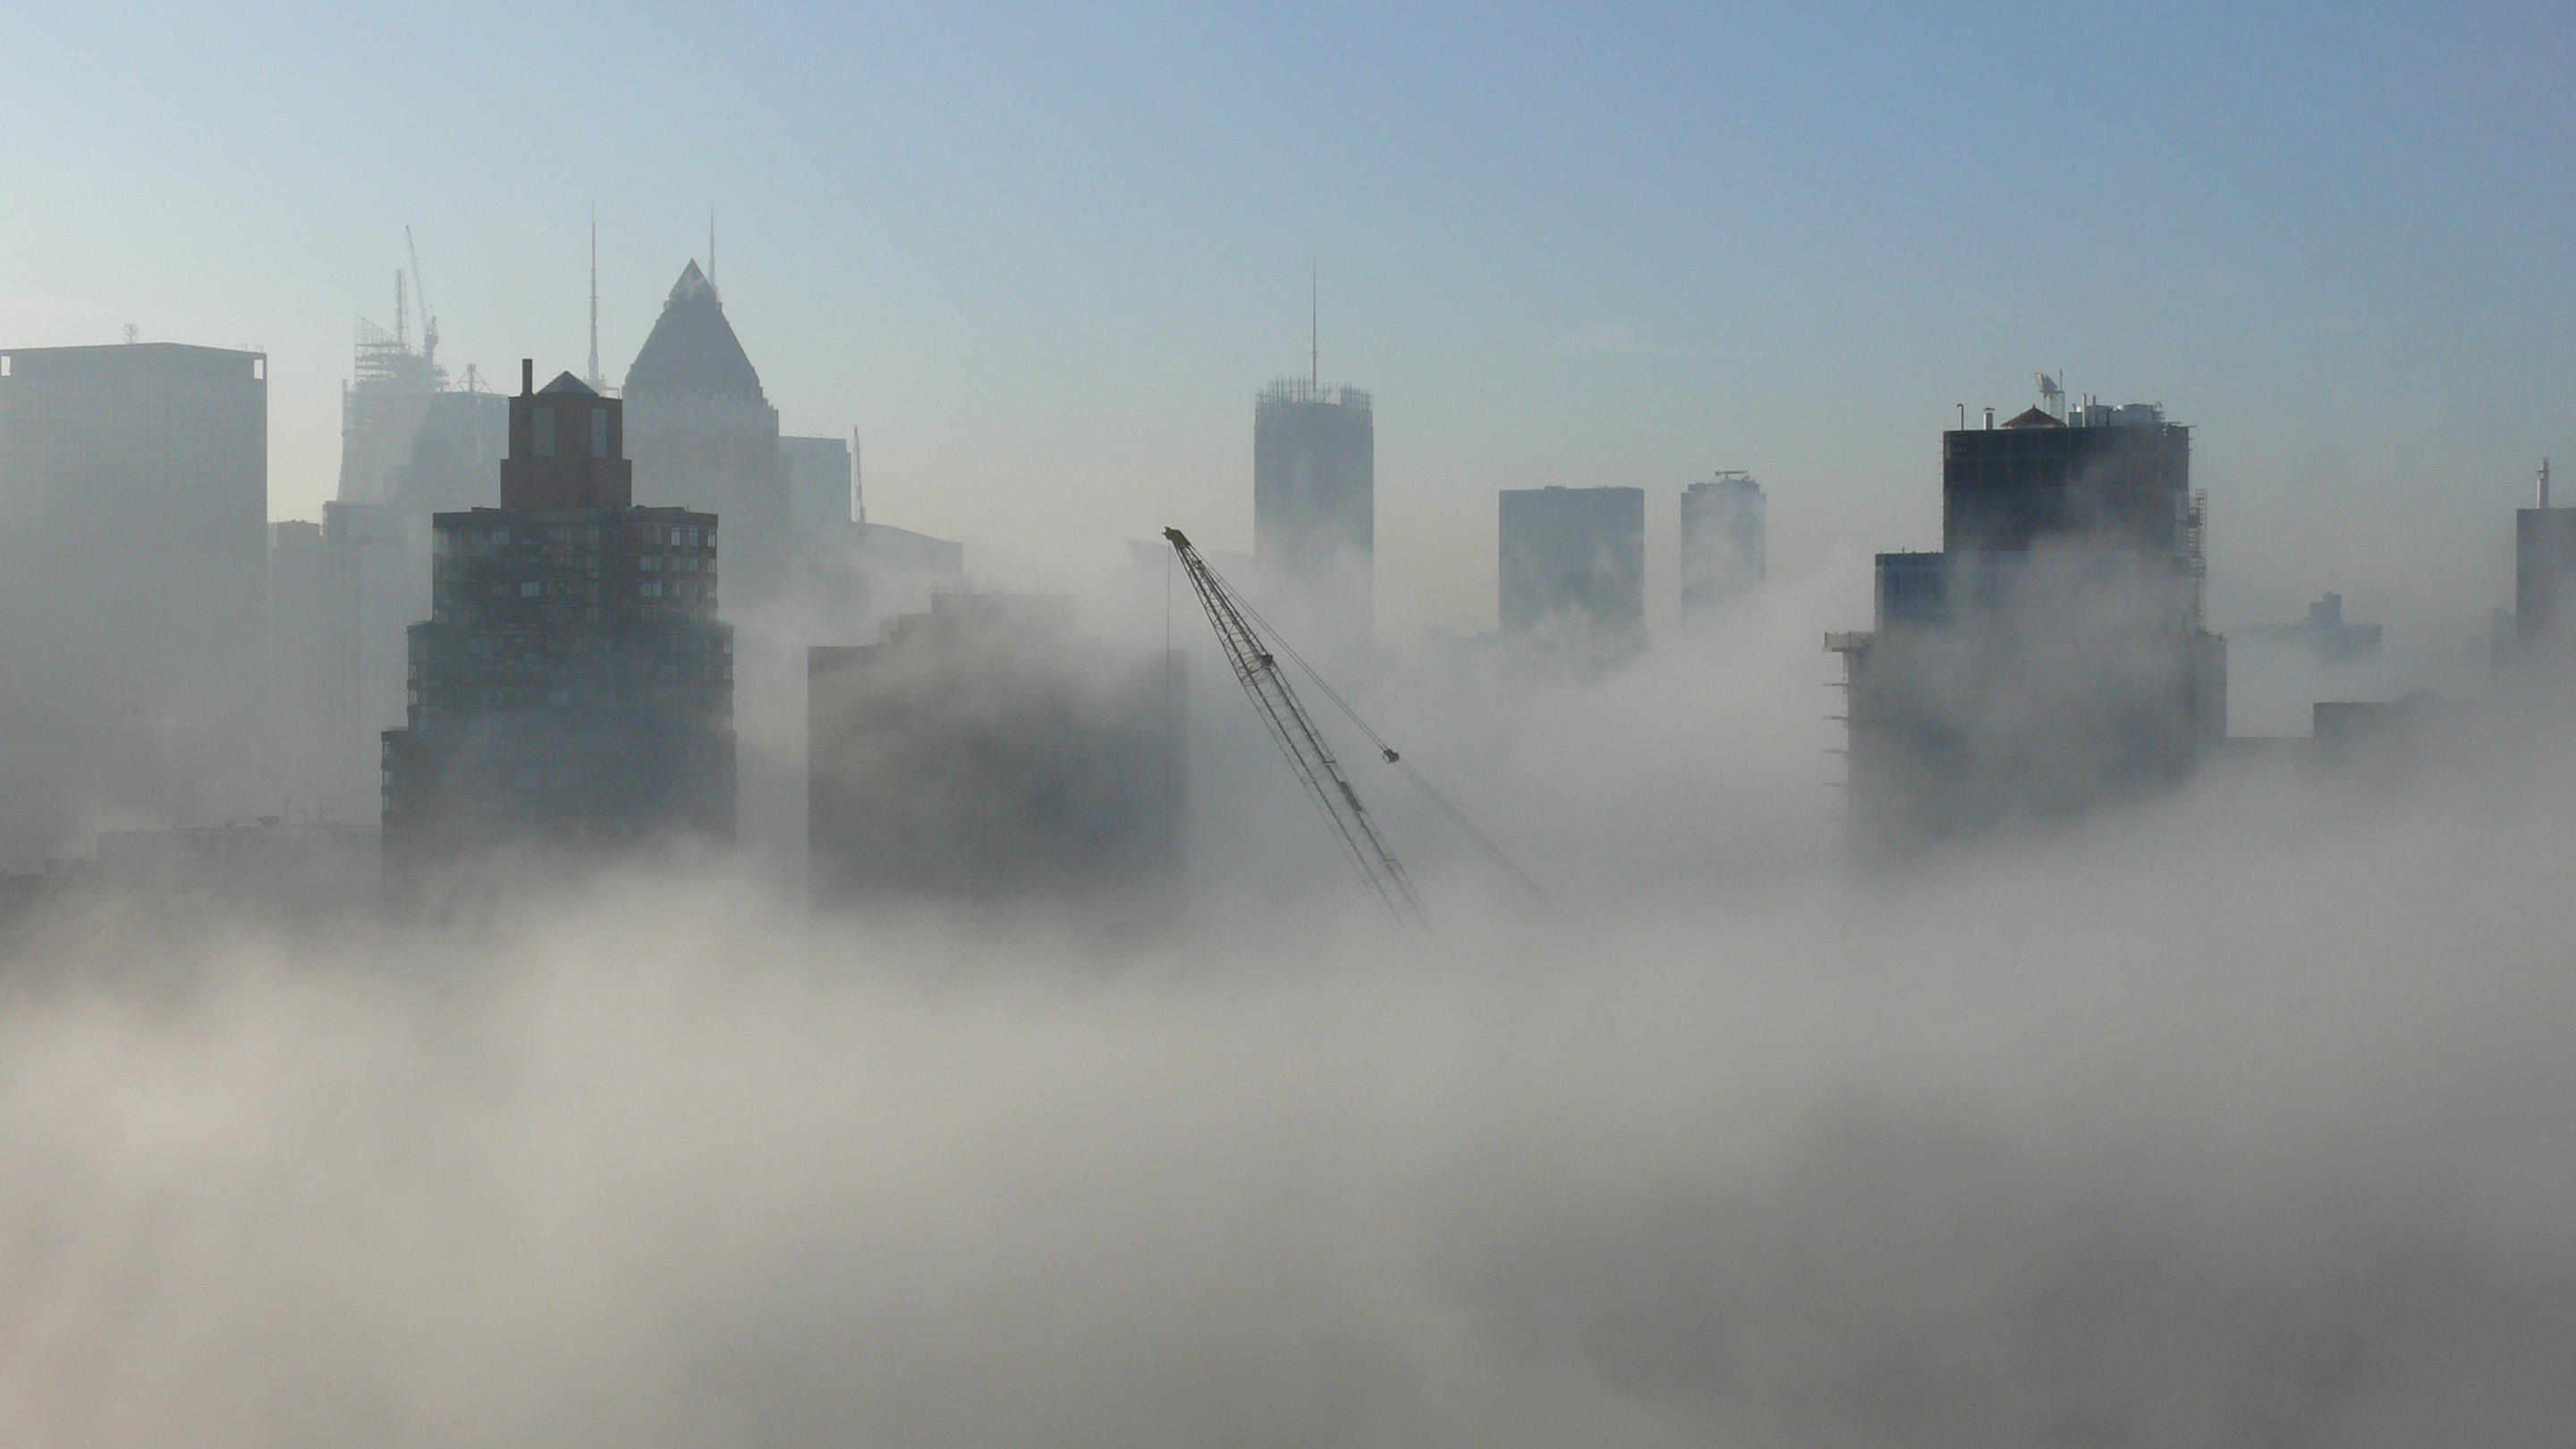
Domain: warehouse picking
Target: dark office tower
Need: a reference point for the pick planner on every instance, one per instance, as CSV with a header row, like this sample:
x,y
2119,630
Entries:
x,y
1725,546
2050,658
988,753
703,435
1573,567
1314,512
133,586
572,689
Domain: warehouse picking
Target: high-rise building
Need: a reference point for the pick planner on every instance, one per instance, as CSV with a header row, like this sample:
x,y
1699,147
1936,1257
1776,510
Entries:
x,y
1573,566
383,405
455,454
572,688
1314,512
340,596
2051,657
1725,543
703,435
2544,572
819,483
987,752
133,585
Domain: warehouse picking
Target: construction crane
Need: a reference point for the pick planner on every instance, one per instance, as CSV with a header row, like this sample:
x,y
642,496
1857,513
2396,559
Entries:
x,y
1259,674
420,289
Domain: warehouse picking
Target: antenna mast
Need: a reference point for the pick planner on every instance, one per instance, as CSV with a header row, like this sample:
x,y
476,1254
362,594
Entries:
x,y
598,384
711,248
1314,324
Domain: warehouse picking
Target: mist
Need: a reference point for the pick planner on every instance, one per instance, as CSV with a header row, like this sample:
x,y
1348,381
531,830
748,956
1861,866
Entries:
x,y
2232,1119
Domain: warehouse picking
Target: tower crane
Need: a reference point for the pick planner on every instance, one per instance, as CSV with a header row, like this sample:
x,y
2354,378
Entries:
x,y
428,323
1258,672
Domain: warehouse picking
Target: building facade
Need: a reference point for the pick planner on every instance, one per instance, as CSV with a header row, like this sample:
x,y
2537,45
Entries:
x,y
1314,512
987,753
134,586
2051,658
1572,566
572,689
1725,544
703,435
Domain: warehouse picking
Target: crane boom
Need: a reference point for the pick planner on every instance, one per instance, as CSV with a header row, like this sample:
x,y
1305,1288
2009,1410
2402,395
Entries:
x,y
1299,740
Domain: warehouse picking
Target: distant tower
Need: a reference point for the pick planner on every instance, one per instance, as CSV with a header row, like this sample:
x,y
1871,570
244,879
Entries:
x,y
2544,570
1725,543
1572,565
703,435
1314,511
133,584
572,687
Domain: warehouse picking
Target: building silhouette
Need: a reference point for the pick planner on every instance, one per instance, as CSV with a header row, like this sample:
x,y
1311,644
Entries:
x,y
986,752
1725,544
133,586
2324,635
1314,512
572,689
2051,657
1573,567
702,434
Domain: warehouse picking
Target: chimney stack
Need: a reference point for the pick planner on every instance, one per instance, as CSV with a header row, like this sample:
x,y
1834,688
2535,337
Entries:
x,y
527,376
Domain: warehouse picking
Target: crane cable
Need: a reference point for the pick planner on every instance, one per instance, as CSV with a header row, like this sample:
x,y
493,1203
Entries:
x,y
1403,766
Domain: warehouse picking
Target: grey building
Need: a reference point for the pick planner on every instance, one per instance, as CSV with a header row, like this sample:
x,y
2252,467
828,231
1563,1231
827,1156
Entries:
x,y
703,435
134,585
1572,566
821,492
572,689
2544,572
1314,512
1725,544
455,455
986,752
2051,657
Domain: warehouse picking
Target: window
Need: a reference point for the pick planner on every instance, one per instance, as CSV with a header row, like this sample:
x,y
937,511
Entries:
x,y
651,590
531,589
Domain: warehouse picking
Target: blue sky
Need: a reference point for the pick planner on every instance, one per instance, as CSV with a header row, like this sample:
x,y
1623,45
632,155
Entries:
x,y
1042,258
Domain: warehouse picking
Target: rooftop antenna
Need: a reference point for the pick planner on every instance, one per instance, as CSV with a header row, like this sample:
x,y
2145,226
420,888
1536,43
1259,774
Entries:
x,y
597,383
2544,482
1314,323
711,248
402,314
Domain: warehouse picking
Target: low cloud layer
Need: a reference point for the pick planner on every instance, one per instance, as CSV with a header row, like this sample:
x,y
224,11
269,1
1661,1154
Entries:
x,y
2239,1123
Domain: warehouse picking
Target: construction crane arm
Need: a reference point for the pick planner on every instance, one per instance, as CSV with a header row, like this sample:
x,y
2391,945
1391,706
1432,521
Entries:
x,y
1294,732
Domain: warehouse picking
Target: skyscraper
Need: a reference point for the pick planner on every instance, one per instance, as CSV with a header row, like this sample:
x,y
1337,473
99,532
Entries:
x,y
1314,512
2051,657
572,687
1724,543
1573,566
703,435
133,585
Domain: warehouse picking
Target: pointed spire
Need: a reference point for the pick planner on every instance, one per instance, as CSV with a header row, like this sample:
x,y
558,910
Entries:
x,y
1314,322
711,248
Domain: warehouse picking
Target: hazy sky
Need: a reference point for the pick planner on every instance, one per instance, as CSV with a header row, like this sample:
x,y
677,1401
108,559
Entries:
x,y
1042,259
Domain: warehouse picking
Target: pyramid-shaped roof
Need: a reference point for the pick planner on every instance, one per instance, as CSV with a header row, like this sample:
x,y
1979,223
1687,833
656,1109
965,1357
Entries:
x,y
692,348
566,382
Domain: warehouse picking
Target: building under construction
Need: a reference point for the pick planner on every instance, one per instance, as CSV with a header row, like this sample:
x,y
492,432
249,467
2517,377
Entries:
x,y
2051,657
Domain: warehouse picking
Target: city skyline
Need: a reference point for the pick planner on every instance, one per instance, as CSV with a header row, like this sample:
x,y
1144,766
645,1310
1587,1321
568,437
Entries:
x,y
2359,311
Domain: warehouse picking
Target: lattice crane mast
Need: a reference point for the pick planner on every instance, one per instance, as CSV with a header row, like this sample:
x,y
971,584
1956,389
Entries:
x,y
1259,674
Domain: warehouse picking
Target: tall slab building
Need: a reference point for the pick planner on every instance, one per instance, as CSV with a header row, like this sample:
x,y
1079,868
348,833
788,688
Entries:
x,y
1314,512
1725,543
133,585
572,689
703,435
2050,658
1572,566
